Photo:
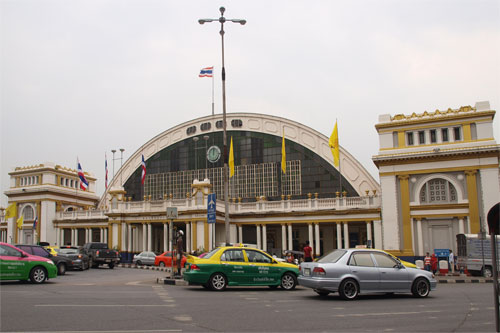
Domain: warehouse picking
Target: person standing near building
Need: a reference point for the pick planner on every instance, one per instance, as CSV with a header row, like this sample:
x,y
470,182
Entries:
x,y
308,257
427,262
434,263
180,251
451,262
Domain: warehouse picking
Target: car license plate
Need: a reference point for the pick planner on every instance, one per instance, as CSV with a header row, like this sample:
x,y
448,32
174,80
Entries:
x,y
108,260
307,272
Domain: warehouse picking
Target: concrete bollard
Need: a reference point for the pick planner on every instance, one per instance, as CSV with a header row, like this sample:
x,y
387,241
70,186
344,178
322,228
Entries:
x,y
443,267
419,263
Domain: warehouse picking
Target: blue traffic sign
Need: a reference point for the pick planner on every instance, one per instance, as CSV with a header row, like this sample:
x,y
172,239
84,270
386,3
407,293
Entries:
x,y
211,208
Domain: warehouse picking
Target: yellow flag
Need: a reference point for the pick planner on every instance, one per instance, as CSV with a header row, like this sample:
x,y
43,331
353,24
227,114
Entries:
x,y
20,222
283,155
231,159
334,145
10,211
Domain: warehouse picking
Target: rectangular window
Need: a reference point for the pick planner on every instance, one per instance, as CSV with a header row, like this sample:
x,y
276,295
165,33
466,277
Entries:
x,y
409,139
421,137
444,134
457,134
433,136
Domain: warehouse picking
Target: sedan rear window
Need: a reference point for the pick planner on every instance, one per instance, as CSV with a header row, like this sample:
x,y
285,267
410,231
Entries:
x,y
333,256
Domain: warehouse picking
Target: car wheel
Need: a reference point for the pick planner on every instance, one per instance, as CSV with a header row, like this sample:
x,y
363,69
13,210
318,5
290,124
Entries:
x,y
421,288
487,272
288,281
38,275
138,263
321,293
162,264
61,269
218,282
349,289
111,265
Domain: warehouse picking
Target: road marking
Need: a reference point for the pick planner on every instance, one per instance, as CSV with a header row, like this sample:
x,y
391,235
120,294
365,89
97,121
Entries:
x,y
183,318
384,313
251,298
99,305
114,331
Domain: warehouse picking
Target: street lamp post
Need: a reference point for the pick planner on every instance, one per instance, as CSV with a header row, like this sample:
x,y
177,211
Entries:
x,y
222,20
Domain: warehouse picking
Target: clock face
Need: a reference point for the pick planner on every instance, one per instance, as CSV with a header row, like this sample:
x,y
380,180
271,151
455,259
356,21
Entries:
x,y
213,154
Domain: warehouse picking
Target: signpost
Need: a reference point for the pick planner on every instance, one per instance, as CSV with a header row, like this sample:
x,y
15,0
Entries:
x,y
171,216
212,214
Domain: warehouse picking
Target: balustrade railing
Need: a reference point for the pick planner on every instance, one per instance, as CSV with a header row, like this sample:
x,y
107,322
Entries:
x,y
187,204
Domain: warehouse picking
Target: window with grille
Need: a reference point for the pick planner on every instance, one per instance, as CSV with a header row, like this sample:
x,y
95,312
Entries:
x,y
438,191
28,213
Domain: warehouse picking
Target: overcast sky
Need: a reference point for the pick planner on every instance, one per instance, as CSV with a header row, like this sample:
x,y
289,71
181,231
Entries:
x,y
79,78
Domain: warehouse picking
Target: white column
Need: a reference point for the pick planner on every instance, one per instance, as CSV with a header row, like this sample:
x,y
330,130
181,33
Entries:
x,y
165,237
264,237
259,244
377,235
129,238
290,237
420,239
144,236
346,235
310,234
369,232
339,235
461,225
188,237
240,234
73,237
106,235
317,241
283,238
150,237
124,237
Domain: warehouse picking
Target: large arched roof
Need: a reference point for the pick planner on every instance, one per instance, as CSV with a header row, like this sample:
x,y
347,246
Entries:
x,y
359,178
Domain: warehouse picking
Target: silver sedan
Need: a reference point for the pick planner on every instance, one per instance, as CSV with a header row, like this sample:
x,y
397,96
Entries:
x,y
351,272
144,258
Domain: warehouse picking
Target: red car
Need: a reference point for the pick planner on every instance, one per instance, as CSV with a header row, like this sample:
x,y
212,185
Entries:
x,y
165,259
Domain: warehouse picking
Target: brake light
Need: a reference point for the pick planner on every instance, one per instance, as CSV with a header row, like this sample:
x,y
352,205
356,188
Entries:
x,y
194,267
319,271
80,256
97,252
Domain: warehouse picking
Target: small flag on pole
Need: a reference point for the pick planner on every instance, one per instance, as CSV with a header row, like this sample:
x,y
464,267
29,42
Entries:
x,y
334,145
10,211
283,155
207,72
106,170
143,176
35,222
84,184
20,222
231,159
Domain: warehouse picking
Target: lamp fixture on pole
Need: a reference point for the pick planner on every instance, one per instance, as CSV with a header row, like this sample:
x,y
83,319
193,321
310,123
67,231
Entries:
x,y
222,20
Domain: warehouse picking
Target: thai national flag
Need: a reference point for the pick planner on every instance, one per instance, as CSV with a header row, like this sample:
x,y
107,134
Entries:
x,y
106,170
84,184
35,222
207,72
143,177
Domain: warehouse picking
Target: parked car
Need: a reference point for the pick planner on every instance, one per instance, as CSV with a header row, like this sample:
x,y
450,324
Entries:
x,y
78,256
62,263
240,266
351,272
144,258
165,260
99,254
16,264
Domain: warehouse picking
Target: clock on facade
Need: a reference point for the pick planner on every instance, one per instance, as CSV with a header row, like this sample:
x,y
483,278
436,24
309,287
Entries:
x,y
213,154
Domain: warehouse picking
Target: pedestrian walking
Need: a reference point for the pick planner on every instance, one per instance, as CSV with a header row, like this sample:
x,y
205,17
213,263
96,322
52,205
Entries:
x,y
434,263
427,262
308,256
180,251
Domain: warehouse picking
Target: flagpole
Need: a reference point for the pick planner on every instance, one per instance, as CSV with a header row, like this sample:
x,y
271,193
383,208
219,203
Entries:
x,y
340,166
213,112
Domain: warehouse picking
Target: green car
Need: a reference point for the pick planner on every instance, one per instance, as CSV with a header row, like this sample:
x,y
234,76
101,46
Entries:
x,y
239,266
16,264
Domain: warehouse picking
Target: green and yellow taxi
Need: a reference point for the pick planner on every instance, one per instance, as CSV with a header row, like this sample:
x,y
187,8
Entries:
x,y
239,266
15,264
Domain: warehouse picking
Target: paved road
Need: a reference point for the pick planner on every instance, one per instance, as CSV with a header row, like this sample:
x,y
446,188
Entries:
x,y
130,300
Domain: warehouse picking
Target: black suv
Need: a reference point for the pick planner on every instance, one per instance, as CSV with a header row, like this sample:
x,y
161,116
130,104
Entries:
x,y
62,263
